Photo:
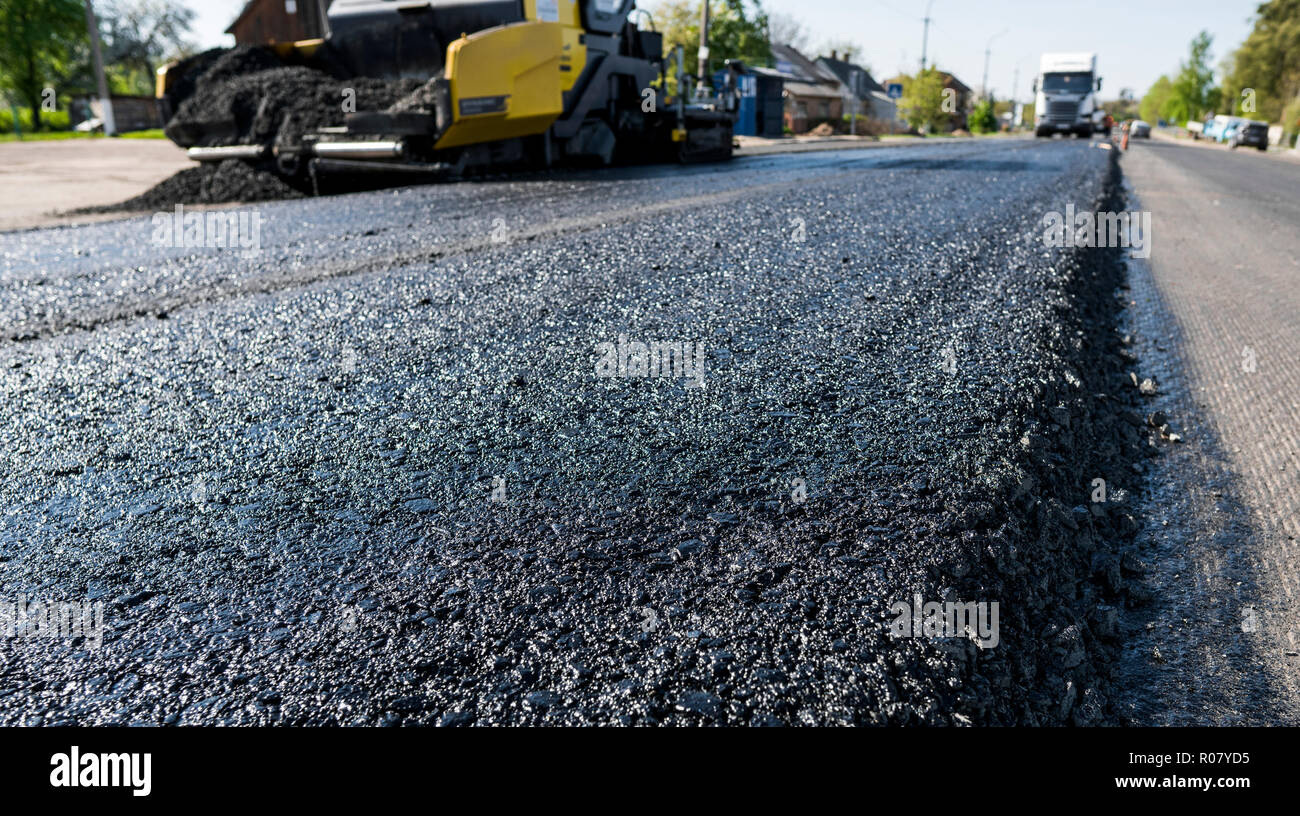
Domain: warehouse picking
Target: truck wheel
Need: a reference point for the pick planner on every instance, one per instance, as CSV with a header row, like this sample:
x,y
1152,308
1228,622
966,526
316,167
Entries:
x,y
1262,148
1040,133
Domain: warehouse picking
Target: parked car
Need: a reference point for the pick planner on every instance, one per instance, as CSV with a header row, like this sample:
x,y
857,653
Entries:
x,y
1250,134
1218,128
1140,129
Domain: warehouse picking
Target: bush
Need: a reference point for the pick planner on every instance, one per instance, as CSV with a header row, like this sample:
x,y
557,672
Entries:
x,y
1291,118
55,120
982,119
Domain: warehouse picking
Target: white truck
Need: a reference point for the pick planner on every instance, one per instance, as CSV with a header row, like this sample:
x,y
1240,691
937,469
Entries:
x,y
1066,93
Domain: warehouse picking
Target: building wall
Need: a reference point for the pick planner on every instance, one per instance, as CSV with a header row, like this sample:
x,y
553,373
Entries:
x,y
264,21
129,112
802,113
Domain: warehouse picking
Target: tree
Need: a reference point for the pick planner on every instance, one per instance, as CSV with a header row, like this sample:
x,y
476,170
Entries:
x,y
1267,63
783,29
735,32
1193,93
1123,108
922,104
1153,102
1291,119
842,46
38,43
139,35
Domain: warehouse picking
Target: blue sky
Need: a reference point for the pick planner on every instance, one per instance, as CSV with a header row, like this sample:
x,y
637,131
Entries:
x,y
1137,40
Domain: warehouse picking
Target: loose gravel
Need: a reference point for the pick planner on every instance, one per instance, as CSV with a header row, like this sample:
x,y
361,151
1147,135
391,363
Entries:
x,y
402,496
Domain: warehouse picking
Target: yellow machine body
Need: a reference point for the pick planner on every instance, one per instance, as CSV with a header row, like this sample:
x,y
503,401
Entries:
x,y
509,81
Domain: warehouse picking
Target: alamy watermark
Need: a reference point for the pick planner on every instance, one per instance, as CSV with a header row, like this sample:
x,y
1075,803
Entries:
x,y
660,358
77,769
948,619
223,229
1129,230
53,620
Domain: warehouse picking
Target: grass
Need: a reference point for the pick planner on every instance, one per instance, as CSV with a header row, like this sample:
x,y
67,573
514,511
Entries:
x,y
156,133
48,136
62,135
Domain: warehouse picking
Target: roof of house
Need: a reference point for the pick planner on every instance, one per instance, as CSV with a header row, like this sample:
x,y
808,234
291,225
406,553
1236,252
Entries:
x,y
772,72
953,82
789,60
248,7
812,89
861,81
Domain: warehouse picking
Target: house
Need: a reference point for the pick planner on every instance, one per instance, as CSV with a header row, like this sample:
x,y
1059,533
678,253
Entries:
x,y
815,95
872,100
267,21
965,99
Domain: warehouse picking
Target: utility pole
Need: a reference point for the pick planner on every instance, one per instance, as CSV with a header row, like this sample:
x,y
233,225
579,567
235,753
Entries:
x,y
984,85
925,36
704,48
105,101
322,11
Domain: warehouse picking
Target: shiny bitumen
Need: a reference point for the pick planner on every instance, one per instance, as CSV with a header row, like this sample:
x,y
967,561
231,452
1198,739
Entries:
x,y
372,476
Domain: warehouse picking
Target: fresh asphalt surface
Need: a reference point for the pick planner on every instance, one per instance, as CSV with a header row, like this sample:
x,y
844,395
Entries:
x,y
370,475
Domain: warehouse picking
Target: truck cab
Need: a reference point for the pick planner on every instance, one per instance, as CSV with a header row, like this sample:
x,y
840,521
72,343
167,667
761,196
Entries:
x,y
1065,98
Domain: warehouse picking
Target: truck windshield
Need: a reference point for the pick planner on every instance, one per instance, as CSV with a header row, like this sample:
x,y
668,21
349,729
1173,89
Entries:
x,y
1076,82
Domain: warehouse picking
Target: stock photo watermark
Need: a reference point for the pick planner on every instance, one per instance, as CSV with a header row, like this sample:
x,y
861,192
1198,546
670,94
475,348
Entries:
x,y
947,619
657,359
1084,228
225,229
53,620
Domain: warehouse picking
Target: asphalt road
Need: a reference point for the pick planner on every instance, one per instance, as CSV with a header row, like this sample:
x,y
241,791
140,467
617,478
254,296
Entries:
x,y
1221,298
372,475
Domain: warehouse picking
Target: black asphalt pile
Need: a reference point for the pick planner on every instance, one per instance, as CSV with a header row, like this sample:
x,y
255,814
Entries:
x,y
224,182
399,491
246,95
275,106
421,100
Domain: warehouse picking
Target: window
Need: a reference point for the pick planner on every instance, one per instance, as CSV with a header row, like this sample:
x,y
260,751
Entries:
x,y
1076,82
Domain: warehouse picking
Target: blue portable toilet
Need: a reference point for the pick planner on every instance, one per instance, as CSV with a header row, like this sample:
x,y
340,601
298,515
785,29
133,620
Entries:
x,y
760,98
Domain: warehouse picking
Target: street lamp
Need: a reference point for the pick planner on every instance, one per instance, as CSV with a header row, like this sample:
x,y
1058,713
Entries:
x,y
984,85
925,36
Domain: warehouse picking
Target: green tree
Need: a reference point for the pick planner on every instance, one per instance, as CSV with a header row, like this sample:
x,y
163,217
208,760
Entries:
x,y
1267,63
1193,93
1153,102
39,42
737,30
138,36
923,102
1291,119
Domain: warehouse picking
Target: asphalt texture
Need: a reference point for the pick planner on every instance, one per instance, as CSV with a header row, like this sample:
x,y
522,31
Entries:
x,y
371,476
